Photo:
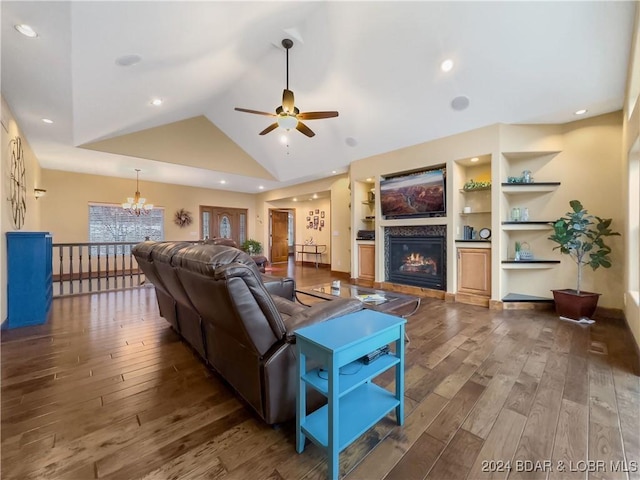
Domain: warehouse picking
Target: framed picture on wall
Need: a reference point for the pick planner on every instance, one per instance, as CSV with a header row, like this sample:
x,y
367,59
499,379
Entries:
x,y
316,220
308,219
310,212
322,214
317,211
322,223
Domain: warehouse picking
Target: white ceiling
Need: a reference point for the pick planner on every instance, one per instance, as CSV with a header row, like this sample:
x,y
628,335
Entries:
x,y
377,63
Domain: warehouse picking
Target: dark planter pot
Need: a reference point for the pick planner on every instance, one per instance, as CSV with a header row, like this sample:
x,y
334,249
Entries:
x,y
573,305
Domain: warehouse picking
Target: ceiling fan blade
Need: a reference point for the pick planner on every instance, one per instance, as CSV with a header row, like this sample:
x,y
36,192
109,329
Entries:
x,y
246,110
271,127
287,100
301,127
316,115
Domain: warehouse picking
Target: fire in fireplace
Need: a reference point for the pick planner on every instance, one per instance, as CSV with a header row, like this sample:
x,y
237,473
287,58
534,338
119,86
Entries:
x,y
417,261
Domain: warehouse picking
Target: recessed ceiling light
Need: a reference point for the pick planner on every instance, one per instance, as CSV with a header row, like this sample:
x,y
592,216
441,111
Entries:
x,y
447,65
295,199
128,60
223,181
26,30
260,187
334,171
315,195
156,102
47,120
475,159
581,111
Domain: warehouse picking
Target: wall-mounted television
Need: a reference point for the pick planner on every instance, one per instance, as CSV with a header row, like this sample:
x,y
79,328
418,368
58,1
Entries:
x,y
417,194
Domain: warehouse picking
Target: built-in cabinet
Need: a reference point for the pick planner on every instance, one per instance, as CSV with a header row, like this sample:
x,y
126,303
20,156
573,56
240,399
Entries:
x,y
367,261
474,275
472,214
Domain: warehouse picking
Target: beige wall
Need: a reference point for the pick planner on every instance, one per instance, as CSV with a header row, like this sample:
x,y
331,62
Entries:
x,y
441,151
337,189
589,166
65,211
631,165
10,130
340,228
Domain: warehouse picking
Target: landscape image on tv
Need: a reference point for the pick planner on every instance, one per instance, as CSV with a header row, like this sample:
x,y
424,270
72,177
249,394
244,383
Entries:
x,y
415,194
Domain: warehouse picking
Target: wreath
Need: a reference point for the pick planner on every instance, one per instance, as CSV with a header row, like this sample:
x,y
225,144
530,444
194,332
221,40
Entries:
x,y
183,218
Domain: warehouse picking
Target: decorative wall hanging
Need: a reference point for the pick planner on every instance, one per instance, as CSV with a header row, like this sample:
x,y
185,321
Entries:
x,y
183,218
18,191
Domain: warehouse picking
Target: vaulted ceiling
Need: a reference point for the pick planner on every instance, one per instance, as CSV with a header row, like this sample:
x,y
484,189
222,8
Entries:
x,y
377,63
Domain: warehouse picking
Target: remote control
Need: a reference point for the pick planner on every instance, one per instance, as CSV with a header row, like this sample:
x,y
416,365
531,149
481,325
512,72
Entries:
x,y
377,353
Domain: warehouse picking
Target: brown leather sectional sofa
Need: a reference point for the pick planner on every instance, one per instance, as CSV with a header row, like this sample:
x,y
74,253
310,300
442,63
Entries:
x,y
239,321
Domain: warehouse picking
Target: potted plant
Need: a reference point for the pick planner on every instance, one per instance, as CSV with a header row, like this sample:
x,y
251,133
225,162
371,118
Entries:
x,y
252,247
581,236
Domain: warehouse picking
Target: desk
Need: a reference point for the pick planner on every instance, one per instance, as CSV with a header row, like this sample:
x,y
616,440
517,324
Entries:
x,y
316,250
354,403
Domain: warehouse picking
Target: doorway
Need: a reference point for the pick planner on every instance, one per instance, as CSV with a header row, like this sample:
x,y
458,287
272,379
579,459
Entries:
x,y
223,222
282,233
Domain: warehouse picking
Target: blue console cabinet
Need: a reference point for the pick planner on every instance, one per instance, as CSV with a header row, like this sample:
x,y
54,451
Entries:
x,y
354,403
29,278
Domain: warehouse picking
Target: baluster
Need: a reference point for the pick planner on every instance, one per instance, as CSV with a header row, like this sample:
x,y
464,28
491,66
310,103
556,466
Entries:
x,y
80,266
124,270
71,268
89,247
99,247
131,265
107,266
61,278
138,269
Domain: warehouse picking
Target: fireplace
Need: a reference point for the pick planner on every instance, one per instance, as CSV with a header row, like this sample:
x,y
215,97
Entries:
x,y
416,256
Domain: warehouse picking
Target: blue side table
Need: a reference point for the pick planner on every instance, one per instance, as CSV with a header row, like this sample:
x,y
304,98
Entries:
x,y
354,403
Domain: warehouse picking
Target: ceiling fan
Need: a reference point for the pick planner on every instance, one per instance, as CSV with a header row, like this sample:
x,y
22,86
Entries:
x,y
287,115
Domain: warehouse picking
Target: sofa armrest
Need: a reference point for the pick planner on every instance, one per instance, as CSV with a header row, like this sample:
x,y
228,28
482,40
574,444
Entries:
x,y
319,313
281,286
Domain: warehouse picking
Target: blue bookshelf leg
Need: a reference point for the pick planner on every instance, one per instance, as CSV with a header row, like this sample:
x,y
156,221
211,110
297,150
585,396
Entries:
x,y
400,377
333,447
301,402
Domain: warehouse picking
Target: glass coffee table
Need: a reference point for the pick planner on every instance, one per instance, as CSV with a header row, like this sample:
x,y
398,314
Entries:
x,y
394,303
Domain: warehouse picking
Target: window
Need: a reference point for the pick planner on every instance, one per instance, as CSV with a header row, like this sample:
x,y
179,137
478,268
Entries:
x,y
110,223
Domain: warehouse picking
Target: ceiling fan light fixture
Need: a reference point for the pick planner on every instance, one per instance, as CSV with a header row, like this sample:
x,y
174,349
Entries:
x,y
287,121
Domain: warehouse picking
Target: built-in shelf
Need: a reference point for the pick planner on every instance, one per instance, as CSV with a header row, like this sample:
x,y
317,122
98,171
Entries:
x,y
528,264
529,155
474,241
369,203
521,297
483,189
464,214
527,225
536,187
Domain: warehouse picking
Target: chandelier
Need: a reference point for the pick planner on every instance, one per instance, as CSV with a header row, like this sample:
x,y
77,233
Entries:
x,y
136,205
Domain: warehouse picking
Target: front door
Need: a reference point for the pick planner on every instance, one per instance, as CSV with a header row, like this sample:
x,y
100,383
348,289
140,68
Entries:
x,y
224,222
279,236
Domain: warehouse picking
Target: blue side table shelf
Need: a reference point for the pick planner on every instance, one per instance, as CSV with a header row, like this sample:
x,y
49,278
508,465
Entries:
x,y
354,403
29,278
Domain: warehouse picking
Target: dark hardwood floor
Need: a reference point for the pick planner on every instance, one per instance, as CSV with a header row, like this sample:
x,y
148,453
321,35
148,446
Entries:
x,y
107,390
